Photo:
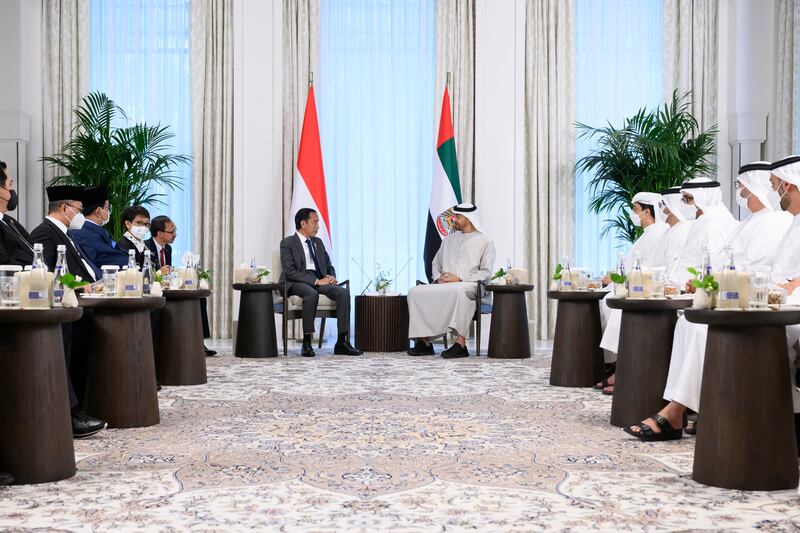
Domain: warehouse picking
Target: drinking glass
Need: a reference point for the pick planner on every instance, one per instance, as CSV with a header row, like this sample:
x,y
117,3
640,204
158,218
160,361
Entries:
x,y
657,283
110,280
9,286
759,290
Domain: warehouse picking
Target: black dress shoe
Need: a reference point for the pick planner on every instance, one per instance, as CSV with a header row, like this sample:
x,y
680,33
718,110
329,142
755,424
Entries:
x,y
307,350
209,352
422,348
345,348
84,425
6,479
455,351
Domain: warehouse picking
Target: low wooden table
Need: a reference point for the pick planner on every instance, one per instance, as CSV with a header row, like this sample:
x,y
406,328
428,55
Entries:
x,y
180,353
255,335
745,435
645,349
121,383
382,323
508,335
577,357
35,423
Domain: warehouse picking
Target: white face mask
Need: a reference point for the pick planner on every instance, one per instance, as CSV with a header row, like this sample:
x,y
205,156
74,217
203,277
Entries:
x,y
636,219
108,218
77,221
139,232
774,198
689,211
742,201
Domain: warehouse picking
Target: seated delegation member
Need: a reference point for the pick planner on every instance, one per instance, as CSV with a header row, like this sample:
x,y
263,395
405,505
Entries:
x,y
136,220
92,237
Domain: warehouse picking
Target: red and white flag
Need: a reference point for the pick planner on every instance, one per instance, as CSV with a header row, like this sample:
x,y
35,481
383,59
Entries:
x,y
309,180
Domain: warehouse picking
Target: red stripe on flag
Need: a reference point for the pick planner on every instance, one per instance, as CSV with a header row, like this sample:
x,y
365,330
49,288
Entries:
x,y
446,122
309,159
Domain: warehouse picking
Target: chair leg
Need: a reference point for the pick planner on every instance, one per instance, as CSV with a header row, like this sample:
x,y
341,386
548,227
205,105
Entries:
x,y
321,332
285,335
444,340
478,336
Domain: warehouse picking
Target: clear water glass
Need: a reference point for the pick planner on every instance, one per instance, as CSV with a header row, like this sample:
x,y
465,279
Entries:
x,y
759,291
9,290
110,280
657,283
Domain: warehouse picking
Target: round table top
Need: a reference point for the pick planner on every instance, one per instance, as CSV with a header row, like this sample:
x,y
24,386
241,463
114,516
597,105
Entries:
x,y
58,315
733,317
186,294
256,287
508,288
133,304
660,304
577,295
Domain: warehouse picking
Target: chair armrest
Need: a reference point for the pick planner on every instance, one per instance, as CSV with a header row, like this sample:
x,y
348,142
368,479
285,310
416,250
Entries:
x,y
346,283
478,299
420,283
285,294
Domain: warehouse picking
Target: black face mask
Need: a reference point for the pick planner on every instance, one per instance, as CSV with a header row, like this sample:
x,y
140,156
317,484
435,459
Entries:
x,y
13,201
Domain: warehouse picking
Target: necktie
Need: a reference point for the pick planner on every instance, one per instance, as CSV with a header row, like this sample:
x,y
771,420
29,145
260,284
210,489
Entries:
x,y
314,259
162,258
17,233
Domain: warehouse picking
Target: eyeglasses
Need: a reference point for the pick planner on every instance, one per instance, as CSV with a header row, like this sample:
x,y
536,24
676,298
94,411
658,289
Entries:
x,y
173,232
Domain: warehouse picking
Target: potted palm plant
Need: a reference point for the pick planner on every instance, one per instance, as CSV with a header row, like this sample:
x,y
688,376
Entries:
x,y
129,159
653,150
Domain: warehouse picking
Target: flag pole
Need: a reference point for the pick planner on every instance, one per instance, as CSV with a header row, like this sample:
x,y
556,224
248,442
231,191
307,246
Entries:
x,y
449,77
310,78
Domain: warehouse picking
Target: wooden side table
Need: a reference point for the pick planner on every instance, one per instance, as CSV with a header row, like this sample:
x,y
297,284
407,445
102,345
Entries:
x,y
255,335
645,349
121,385
382,323
180,353
35,423
577,357
508,336
745,438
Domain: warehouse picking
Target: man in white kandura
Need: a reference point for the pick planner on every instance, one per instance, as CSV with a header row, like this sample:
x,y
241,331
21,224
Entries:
x,y
712,227
762,239
644,213
669,251
465,257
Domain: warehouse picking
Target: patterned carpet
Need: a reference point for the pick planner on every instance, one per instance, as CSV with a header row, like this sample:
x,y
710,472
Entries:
x,y
384,442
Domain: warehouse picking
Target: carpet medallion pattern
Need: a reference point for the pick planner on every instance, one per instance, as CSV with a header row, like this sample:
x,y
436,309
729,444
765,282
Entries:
x,y
384,442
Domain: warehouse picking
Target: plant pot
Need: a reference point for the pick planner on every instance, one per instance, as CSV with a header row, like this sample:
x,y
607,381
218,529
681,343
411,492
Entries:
x,y
553,285
203,284
156,290
620,291
703,300
70,299
264,279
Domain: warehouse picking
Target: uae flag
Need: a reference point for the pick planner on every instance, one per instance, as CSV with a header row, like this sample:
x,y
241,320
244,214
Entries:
x,y
446,187
309,180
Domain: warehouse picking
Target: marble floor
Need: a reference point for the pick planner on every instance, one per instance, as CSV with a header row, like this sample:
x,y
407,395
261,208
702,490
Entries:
x,y
385,442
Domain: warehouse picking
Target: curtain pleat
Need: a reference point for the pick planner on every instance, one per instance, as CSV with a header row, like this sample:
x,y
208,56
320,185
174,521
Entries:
x,y
212,141
549,146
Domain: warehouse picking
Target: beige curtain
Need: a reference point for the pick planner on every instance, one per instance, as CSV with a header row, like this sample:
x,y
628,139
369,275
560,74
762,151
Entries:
x,y
300,57
455,53
212,145
549,146
65,71
783,136
691,55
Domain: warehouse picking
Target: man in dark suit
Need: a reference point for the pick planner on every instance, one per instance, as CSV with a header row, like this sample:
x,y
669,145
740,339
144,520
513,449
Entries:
x,y
92,237
16,247
308,271
63,212
163,232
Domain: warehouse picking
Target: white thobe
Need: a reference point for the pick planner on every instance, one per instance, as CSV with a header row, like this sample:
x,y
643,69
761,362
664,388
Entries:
x,y
437,309
712,230
761,241
672,245
649,249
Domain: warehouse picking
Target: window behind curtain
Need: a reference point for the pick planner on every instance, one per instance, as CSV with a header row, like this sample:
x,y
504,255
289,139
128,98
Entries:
x,y
618,71
375,99
140,59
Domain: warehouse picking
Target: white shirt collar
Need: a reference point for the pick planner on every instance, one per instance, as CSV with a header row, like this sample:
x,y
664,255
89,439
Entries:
x,y
301,237
158,246
58,223
1,216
